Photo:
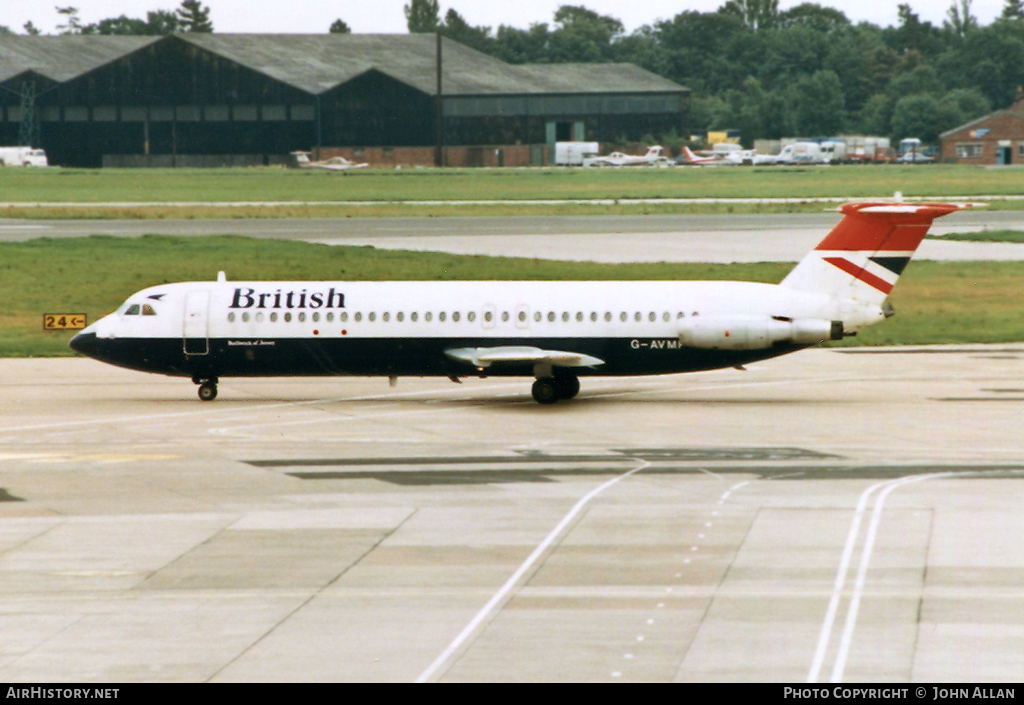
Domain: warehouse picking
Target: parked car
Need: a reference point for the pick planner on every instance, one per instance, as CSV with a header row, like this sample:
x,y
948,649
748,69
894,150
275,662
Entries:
x,y
915,158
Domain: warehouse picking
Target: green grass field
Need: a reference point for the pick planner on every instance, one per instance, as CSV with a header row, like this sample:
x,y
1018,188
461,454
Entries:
x,y
961,302
264,185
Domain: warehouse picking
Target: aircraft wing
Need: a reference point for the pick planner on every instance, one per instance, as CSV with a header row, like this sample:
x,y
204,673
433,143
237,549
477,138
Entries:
x,y
521,355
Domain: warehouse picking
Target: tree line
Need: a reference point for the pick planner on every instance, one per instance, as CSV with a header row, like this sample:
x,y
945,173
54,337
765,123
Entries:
x,y
807,71
190,16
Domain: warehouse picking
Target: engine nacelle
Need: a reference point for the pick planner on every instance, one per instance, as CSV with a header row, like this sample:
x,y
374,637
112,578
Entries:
x,y
756,332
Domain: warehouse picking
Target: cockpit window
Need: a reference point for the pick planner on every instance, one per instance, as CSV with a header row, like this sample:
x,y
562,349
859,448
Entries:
x,y
132,310
147,310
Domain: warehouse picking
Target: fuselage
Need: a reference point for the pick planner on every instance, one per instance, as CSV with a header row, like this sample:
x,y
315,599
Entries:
x,y
553,331
225,329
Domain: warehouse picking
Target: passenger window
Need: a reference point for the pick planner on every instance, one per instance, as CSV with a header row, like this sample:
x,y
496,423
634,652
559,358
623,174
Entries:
x,y
551,316
302,315
132,310
330,316
231,317
147,310
287,318
359,316
428,316
316,317
385,317
472,316
593,316
413,316
607,316
441,316
665,316
579,316
504,316
565,316
488,316
522,316
371,316
652,317
623,316
273,317
400,316
637,316
537,316
455,317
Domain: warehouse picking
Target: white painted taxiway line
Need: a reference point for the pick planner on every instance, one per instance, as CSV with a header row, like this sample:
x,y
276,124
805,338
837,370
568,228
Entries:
x,y
844,567
496,202
499,597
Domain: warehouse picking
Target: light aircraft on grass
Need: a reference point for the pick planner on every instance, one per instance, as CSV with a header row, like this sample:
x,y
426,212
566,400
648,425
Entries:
x,y
736,157
333,164
655,156
553,331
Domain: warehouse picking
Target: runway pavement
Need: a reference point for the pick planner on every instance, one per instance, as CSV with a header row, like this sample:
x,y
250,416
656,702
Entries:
x,y
848,515
698,238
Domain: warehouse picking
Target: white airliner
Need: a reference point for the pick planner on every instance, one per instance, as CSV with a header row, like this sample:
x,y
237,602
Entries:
x,y
553,331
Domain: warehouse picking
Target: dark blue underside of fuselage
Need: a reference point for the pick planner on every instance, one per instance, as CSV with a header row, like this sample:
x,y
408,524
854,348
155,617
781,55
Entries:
x,y
406,357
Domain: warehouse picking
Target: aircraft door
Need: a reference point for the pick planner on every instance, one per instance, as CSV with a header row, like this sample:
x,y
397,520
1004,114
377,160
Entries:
x,y
197,321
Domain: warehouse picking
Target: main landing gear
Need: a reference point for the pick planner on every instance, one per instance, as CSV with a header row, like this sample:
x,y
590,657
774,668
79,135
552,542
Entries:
x,y
207,387
548,390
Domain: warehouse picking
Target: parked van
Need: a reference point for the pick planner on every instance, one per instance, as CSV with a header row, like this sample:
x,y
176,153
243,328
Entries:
x,y
800,153
833,151
22,156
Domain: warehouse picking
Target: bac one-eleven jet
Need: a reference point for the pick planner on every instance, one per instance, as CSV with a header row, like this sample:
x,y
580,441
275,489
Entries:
x,y
553,331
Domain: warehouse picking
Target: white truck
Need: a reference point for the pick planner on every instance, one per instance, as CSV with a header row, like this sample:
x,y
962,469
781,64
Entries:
x,y
22,156
800,153
573,153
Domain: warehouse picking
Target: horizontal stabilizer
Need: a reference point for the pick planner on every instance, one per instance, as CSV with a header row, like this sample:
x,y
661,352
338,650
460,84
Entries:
x,y
521,354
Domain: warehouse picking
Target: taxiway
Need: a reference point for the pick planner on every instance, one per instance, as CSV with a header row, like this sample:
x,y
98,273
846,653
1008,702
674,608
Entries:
x,y
831,515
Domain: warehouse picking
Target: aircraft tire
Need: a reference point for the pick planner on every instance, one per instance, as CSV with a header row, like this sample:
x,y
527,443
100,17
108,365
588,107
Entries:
x,y
208,391
545,390
567,386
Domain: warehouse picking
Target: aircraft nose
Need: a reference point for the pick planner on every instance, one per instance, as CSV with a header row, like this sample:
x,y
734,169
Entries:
x,y
84,343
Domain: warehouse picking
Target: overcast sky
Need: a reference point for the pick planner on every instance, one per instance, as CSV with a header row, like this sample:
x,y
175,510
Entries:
x,y
386,16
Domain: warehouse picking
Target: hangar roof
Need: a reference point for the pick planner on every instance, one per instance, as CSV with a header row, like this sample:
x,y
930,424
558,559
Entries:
x,y
316,63
1015,110
62,58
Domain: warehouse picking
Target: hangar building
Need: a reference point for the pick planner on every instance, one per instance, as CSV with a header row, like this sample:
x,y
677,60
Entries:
x,y
84,98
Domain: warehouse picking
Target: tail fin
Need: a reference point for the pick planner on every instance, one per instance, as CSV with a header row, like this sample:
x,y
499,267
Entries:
x,y
866,252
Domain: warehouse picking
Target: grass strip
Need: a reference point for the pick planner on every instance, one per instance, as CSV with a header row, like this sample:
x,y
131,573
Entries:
x,y
387,185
